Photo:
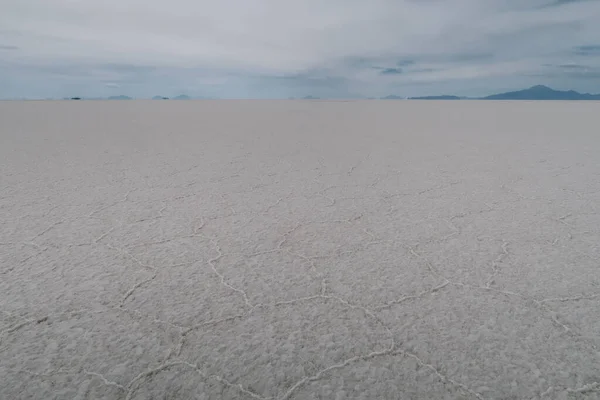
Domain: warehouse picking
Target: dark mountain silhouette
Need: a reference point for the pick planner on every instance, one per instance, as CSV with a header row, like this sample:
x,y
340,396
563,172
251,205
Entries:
x,y
541,92
121,97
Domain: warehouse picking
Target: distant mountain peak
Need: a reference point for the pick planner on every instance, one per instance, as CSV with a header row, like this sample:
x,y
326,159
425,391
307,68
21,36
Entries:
x,y
540,87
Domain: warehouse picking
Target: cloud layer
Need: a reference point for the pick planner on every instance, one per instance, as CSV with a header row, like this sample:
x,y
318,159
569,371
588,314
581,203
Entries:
x,y
283,48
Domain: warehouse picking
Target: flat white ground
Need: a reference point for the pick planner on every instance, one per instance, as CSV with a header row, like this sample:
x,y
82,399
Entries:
x,y
299,250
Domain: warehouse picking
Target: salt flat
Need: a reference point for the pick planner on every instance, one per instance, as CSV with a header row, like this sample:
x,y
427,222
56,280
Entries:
x,y
299,250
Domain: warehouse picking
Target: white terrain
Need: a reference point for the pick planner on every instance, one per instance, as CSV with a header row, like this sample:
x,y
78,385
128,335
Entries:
x,y
300,250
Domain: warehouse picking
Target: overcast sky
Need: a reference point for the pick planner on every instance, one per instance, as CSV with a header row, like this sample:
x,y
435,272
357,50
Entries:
x,y
294,48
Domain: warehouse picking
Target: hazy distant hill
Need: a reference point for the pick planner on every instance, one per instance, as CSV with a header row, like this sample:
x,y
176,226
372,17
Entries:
x,y
160,98
311,98
541,92
442,97
121,97
182,97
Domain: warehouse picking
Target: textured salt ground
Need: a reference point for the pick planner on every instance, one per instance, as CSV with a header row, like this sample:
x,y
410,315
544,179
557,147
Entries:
x,y
299,250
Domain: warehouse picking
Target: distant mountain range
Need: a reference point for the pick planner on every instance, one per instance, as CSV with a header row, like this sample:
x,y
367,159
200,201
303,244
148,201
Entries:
x,y
538,92
541,92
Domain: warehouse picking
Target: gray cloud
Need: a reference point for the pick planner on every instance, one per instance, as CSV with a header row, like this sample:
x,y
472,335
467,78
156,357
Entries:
x,y
8,47
391,71
295,48
588,50
573,67
564,2
572,71
405,63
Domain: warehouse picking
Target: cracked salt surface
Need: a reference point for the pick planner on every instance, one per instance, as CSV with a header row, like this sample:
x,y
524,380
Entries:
x,y
299,250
